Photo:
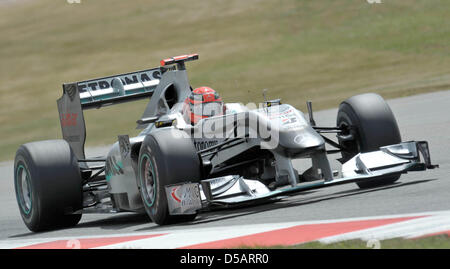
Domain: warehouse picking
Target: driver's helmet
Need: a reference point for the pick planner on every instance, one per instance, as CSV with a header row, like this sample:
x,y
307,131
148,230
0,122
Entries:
x,y
202,103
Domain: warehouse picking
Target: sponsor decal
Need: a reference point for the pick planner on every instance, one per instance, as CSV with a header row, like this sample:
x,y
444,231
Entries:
x,y
174,195
201,145
183,198
101,84
190,198
69,119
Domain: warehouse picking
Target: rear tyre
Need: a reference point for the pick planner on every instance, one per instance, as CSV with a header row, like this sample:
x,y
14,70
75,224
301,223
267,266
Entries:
x,y
166,157
374,126
48,185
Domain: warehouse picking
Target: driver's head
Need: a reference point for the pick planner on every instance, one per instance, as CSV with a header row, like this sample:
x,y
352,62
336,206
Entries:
x,y
202,103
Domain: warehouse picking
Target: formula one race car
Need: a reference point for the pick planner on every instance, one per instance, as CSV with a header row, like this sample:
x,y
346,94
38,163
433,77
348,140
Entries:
x,y
176,168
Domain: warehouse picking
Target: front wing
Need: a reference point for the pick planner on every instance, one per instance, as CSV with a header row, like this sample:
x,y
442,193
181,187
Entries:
x,y
234,190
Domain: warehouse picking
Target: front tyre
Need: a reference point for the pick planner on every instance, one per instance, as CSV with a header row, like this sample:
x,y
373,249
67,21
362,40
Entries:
x,y
48,185
373,125
166,157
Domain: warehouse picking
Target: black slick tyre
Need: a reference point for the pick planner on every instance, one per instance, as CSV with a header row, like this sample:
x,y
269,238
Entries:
x,y
166,157
372,125
48,185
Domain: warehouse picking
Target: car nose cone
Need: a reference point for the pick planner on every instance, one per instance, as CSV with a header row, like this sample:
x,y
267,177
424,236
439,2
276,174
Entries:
x,y
304,140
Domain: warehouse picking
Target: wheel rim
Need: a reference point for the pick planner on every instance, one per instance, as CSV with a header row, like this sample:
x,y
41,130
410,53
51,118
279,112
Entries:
x,y
354,146
148,180
24,194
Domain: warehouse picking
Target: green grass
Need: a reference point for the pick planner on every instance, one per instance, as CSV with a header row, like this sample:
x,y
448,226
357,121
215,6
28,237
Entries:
x,y
432,242
321,50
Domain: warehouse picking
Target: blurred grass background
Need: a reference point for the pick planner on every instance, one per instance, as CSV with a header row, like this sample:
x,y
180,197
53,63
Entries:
x,y
320,50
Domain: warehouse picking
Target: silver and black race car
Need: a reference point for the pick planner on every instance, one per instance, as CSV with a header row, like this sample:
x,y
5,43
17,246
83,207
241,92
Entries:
x,y
173,170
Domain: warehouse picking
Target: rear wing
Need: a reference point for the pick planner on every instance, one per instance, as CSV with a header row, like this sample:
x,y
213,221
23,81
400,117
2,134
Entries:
x,y
111,90
117,89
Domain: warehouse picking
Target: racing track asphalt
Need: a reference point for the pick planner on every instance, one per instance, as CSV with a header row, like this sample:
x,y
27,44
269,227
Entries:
x,y
420,117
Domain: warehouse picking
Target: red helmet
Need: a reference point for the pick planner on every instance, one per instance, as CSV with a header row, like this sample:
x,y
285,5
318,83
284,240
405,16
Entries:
x,y
202,103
